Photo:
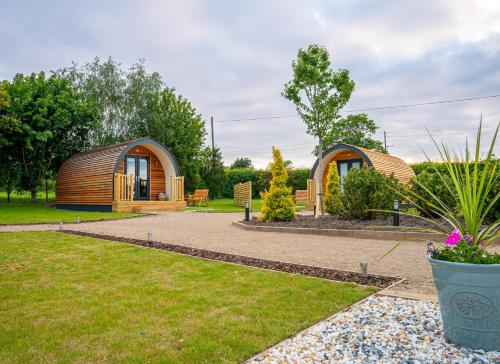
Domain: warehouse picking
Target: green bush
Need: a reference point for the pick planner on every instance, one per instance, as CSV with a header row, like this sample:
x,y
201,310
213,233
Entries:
x,y
333,201
426,173
366,189
277,203
297,179
435,184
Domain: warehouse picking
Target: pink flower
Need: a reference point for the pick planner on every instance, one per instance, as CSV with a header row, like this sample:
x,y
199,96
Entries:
x,y
454,238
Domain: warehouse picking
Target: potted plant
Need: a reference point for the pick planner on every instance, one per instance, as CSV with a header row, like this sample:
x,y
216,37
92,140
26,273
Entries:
x,y
466,274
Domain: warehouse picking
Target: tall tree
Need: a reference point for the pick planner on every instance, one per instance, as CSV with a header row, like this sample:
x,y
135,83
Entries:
x,y
134,103
10,128
53,123
105,84
212,171
174,122
357,130
243,162
319,93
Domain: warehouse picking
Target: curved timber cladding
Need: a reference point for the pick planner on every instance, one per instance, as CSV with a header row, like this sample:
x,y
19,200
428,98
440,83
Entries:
x,y
348,155
85,181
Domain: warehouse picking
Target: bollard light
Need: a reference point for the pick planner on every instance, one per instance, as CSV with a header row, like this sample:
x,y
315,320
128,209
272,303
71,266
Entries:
x,y
364,268
78,220
61,226
247,211
150,236
395,213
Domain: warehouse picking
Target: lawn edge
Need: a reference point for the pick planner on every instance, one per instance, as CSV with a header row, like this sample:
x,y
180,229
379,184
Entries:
x,y
379,281
140,214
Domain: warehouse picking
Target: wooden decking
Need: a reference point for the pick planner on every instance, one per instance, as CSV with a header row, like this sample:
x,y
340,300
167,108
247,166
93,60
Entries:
x,y
148,206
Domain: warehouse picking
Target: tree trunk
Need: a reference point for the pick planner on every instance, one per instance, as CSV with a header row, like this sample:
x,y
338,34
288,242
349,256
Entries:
x,y
46,191
320,187
8,194
33,195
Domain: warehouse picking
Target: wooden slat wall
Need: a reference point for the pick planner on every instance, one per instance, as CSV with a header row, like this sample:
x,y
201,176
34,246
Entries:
x,y
243,194
157,174
87,178
384,163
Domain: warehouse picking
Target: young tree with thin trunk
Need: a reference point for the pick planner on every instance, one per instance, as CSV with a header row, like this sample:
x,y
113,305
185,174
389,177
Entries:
x,y
319,93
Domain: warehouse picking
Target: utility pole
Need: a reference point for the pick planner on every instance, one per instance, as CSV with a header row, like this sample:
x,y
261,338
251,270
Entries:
x,y
212,124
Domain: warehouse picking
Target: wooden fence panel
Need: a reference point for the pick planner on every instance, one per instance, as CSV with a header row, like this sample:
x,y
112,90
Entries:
x,y
311,194
243,194
177,188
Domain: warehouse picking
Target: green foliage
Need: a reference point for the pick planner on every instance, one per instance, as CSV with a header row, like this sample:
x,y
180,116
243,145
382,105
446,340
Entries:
x,y
429,183
297,179
429,175
355,130
134,104
318,93
367,191
212,171
242,163
473,179
333,201
277,203
47,122
464,252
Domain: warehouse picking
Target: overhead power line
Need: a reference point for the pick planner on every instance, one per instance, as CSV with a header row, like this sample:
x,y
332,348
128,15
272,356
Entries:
x,y
369,108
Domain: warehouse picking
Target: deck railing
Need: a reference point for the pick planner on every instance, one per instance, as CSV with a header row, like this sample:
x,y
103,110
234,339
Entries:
x,y
123,187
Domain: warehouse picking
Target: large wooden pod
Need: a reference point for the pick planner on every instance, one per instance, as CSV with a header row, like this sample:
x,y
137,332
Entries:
x,y
349,156
131,176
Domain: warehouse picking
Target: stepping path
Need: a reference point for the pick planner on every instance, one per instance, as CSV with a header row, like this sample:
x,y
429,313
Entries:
x,y
378,330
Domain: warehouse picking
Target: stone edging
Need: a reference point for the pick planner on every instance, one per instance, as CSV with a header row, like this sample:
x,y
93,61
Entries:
x,y
380,281
360,234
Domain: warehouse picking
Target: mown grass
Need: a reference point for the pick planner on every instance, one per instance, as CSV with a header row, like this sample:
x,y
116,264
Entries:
x,y
26,212
65,298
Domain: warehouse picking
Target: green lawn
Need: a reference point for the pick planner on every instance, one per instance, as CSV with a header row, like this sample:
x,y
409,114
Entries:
x,y
69,299
24,212
227,205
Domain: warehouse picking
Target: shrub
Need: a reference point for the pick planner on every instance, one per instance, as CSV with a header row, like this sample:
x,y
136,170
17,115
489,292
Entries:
x,y
365,190
438,186
277,204
428,177
333,202
297,178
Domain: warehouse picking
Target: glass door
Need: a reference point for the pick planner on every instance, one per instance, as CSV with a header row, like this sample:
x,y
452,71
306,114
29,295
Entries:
x,y
138,166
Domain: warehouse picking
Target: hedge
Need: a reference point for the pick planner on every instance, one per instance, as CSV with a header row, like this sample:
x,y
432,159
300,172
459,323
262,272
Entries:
x,y
297,179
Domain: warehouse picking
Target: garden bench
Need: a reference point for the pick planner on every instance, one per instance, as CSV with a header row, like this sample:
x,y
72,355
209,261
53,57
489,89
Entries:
x,y
200,196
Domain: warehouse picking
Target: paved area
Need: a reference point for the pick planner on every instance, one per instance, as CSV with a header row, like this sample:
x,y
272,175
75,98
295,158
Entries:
x,y
214,231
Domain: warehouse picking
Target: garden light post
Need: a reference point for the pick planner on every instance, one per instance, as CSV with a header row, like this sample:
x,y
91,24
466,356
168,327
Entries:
x,y
395,214
247,211
78,220
150,235
364,268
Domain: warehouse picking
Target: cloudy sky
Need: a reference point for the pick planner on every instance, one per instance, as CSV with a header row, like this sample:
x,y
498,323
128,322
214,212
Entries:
x,y
231,59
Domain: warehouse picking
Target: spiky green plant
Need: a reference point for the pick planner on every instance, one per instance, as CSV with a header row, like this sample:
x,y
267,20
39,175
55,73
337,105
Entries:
x,y
470,189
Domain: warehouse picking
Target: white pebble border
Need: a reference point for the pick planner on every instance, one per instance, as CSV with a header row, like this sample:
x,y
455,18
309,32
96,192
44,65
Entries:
x,y
379,330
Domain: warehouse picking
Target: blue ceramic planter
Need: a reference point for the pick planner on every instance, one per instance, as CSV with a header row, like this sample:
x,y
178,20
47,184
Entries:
x,y
469,297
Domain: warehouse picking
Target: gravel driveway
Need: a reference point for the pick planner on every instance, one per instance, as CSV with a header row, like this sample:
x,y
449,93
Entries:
x,y
214,231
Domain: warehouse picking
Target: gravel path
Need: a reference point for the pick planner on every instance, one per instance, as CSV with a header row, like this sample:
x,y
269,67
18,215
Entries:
x,y
213,231
378,330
